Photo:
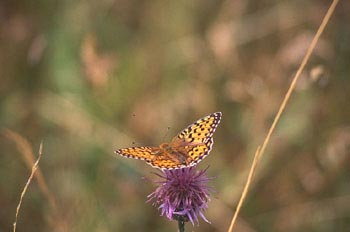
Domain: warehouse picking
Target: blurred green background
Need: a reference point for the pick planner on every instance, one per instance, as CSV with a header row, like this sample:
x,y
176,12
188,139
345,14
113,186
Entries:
x,y
89,77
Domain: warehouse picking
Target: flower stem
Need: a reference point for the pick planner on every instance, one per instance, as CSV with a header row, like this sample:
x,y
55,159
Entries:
x,y
181,224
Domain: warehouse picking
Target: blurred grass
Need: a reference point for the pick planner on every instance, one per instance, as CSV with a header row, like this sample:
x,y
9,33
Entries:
x,y
90,77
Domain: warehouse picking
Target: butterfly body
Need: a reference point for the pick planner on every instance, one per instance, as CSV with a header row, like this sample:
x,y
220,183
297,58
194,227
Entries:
x,y
186,149
175,153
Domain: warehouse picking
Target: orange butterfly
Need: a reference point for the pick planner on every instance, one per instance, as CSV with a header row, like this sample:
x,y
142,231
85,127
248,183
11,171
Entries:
x,y
186,149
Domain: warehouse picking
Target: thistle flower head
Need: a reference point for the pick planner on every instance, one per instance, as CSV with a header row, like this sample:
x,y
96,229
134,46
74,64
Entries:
x,y
182,194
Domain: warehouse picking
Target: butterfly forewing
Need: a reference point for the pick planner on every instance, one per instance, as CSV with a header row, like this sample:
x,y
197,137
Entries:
x,y
143,153
152,155
201,130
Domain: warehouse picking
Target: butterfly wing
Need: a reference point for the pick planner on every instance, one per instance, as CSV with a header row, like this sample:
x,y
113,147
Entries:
x,y
164,162
142,153
201,130
201,133
152,155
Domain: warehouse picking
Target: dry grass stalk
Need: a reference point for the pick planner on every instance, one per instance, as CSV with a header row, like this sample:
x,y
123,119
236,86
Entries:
x,y
259,152
25,149
34,168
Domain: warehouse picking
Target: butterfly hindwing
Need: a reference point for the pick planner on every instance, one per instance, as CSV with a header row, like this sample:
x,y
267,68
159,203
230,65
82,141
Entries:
x,y
199,152
166,163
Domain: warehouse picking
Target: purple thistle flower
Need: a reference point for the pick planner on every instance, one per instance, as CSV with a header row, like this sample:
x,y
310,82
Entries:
x,y
182,195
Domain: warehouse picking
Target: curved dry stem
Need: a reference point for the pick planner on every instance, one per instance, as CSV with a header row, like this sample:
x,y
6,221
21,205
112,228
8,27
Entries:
x,y
34,168
259,152
26,150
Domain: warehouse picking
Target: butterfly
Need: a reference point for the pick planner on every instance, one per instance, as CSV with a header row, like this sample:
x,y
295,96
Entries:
x,y
186,149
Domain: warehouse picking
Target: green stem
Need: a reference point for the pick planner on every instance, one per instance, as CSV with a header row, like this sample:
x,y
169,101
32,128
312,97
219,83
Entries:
x,y
181,224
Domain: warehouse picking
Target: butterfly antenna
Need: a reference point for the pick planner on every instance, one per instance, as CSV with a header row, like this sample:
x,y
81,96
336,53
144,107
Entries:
x,y
166,133
134,144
